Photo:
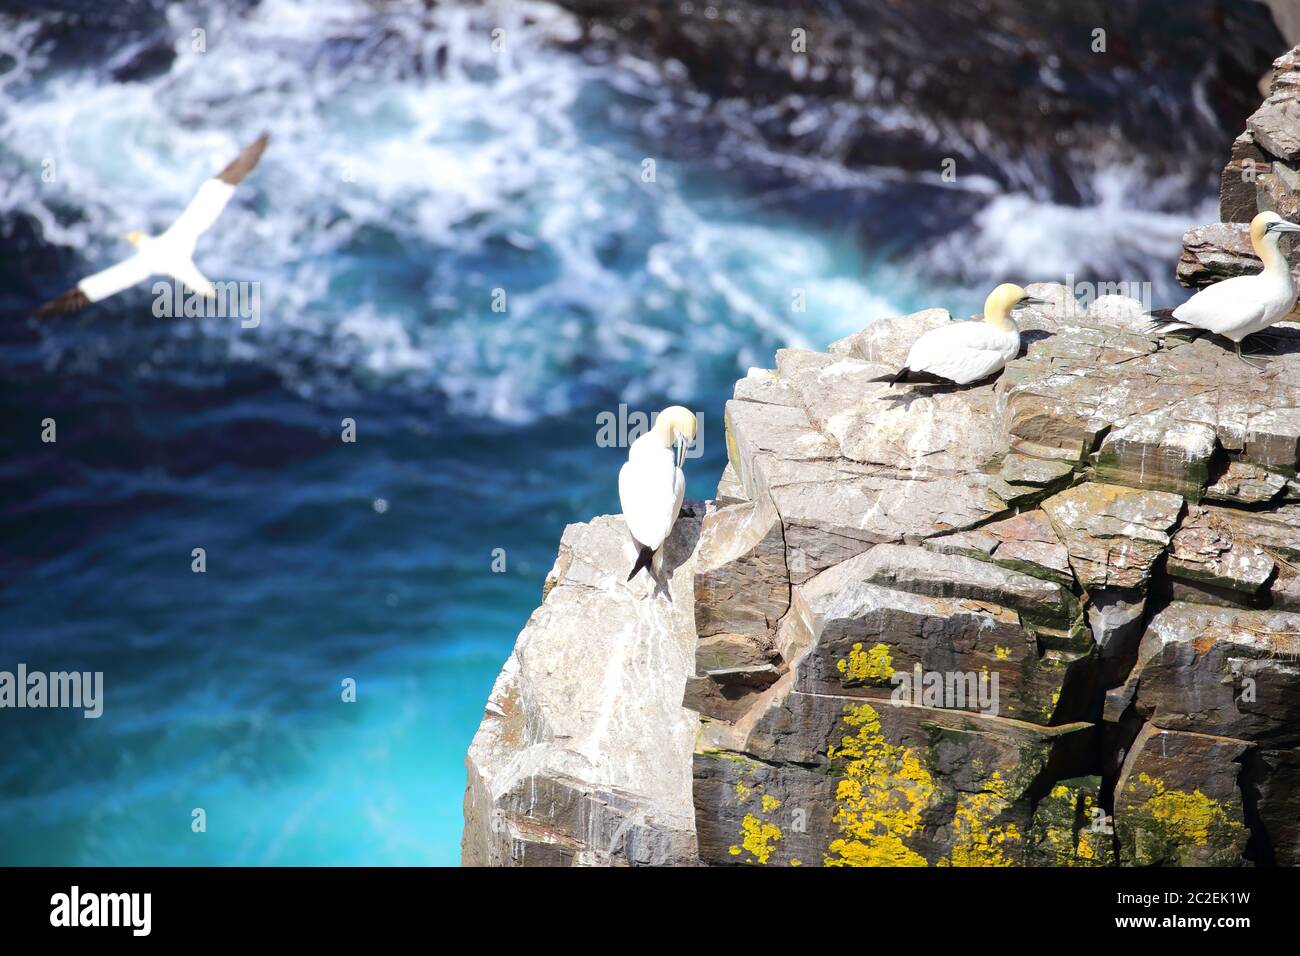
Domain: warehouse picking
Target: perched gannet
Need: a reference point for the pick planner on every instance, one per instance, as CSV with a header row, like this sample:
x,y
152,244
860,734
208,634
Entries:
x,y
171,253
651,485
1236,308
965,352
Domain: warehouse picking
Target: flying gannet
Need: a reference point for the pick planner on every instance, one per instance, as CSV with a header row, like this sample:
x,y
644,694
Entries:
x,y
965,352
651,485
171,253
1238,307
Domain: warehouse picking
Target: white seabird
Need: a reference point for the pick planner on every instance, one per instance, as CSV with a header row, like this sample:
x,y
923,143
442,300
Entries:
x,y
651,485
171,253
1238,307
965,352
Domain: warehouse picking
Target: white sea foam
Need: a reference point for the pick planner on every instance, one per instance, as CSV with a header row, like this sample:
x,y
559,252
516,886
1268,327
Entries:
x,y
398,195
1119,232
413,171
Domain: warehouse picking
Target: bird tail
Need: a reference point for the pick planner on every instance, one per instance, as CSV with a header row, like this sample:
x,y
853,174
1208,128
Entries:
x,y
893,379
1160,322
643,559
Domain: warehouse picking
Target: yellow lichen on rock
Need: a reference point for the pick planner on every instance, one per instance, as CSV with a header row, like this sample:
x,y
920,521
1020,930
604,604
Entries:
x,y
1050,707
1094,843
881,799
757,838
872,665
1183,818
976,841
757,835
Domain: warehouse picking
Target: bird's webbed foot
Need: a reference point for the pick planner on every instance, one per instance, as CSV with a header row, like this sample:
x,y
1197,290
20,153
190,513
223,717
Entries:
x,y
1257,365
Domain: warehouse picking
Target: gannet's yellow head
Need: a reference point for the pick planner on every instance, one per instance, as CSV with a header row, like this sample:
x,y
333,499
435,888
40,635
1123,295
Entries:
x,y
1269,227
135,238
1007,296
676,426
676,422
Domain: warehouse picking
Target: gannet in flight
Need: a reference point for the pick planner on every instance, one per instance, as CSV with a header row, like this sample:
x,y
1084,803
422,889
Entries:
x,y
651,485
1236,308
171,253
965,352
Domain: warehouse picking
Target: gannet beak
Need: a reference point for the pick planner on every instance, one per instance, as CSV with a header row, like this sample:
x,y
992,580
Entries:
x,y
1285,226
1033,300
681,450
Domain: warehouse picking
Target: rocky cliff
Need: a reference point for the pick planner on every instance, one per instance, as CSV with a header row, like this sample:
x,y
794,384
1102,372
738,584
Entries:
x,y
1263,173
1051,619
1088,572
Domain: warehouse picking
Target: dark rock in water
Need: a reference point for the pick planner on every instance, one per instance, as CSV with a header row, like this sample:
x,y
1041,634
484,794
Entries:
x,y
141,63
132,39
874,83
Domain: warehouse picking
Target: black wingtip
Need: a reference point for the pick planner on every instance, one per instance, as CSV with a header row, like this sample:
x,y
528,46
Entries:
x,y
74,300
245,162
643,559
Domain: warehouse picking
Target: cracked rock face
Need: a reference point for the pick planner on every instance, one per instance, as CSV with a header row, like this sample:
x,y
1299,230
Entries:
x,y
1222,672
1075,470
875,656
1113,534
1052,619
1178,801
583,756
1262,174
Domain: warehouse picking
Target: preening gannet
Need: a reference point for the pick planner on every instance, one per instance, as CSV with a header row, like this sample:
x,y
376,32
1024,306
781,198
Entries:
x,y
1236,308
171,253
651,485
965,352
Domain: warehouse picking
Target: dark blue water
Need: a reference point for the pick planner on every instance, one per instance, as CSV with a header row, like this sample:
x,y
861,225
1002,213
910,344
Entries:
x,y
403,186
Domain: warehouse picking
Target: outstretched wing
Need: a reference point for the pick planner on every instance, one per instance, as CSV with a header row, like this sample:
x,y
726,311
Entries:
x,y
97,287
213,195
